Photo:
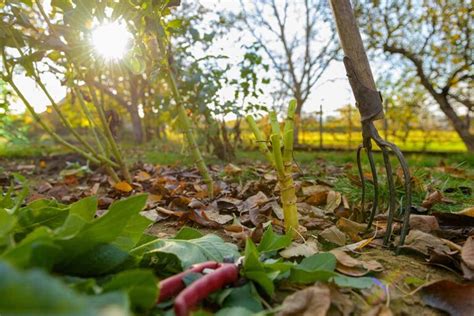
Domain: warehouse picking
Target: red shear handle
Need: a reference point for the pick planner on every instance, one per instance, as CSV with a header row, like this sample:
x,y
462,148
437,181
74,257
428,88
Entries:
x,y
225,274
171,286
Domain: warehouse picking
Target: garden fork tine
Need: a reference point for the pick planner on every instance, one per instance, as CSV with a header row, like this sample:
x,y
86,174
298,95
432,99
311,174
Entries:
x,y
375,181
369,104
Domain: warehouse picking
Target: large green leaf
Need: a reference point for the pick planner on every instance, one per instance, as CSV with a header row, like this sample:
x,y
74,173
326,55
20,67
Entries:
x,y
272,242
35,293
80,213
187,233
254,270
103,244
42,212
245,296
7,222
187,252
141,286
37,249
318,267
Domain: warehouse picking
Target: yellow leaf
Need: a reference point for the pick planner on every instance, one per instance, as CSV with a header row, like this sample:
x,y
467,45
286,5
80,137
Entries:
x,y
42,164
123,186
468,211
142,176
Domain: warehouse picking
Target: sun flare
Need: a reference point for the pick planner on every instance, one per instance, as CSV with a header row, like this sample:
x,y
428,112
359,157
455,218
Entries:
x,y
111,40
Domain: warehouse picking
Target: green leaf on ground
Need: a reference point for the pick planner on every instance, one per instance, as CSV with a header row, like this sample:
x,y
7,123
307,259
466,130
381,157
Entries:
x,y
36,293
187,252
187,233
273,242
105,241
318,267
253,269
141,286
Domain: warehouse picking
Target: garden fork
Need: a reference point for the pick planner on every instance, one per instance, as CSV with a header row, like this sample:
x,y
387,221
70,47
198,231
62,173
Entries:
x,y
369,104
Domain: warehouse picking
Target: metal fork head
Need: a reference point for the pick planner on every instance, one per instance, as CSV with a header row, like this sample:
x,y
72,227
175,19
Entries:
x,y
369,134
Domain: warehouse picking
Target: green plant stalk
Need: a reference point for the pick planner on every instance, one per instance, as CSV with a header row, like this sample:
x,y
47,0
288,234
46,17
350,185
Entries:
x,y
108,134
288,139
261,142
186,124
287,188
285,180
69,127
102,148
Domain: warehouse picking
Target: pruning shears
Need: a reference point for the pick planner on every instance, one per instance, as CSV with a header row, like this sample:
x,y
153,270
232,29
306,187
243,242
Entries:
x,y
216,276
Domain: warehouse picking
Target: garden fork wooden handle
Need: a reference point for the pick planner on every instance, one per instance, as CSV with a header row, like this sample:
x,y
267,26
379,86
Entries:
x,y
356,61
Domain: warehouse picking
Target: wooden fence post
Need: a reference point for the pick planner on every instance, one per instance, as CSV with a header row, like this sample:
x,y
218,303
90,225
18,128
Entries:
x,y
320,126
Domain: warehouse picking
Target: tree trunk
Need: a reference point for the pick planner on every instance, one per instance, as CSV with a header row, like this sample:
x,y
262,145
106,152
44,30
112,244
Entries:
x,y
459,125
136,125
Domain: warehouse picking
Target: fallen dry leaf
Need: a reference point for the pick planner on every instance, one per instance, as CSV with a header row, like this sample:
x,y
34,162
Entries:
x,y
424,223
142,176
467,211
334,235
451,297
317,198
312,301
333,200
123,186
422,242
432,199
467,253
380,310
219,218
232,169
354,267
310,190
351,228
309,248
95,188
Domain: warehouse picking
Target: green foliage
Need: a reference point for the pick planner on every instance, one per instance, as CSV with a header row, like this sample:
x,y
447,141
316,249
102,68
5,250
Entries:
x,y
37,293
140,286
163,254
318,267
272,242
101,261
67,239
254,270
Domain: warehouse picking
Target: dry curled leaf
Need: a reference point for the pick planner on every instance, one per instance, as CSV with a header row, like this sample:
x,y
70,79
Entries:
x,y
351,228
309,248
312,301
422,243
334,235
333,200
451,297
142,176
317,198
432,199
123,186
354,267
218,218
310,190
424,223
467,211
232,169
467,253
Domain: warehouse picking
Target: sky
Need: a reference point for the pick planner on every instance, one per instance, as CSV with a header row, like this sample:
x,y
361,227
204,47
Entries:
x,y
332,91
